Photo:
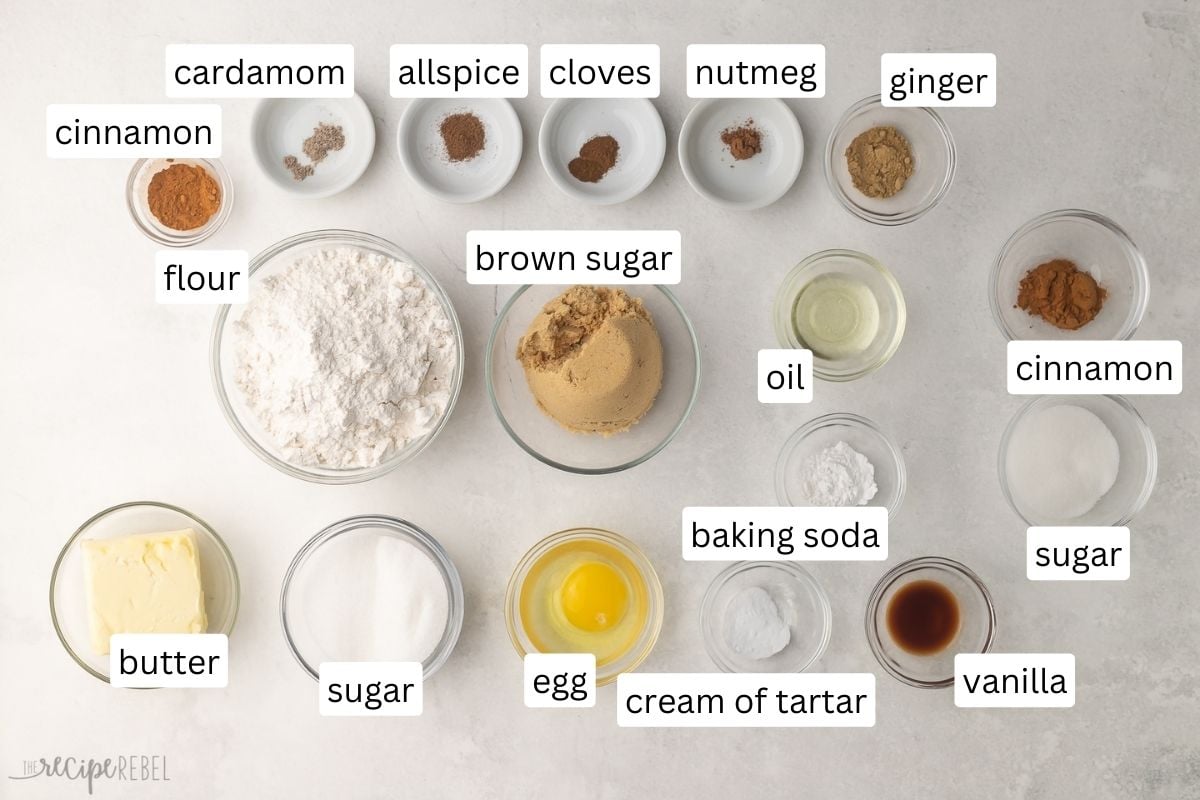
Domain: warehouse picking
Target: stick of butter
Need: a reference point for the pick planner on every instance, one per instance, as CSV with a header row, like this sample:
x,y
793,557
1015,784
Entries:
x,y
147,583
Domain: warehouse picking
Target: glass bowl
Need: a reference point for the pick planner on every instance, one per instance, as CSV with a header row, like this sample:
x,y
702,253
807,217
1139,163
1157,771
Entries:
x,y
138,184
302,591
582,453
1097,246
68,593
637,653
858,432
977,621
223,357
802,604
856,266
1135,475
933,155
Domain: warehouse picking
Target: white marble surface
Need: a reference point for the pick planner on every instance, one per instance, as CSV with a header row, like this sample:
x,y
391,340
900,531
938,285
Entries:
x,y
107,399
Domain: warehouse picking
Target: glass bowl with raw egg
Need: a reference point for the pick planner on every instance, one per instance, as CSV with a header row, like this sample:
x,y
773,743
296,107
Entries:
x,y
586,590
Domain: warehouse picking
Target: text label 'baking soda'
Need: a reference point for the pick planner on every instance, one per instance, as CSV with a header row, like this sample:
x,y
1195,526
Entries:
x,y
749,700
594,258
168,660
785,376
260,70
785,533
1095,367
371,689
938,79
1079,553
201,276
756,70
600,70
459,70
1014,680
176,130
560,680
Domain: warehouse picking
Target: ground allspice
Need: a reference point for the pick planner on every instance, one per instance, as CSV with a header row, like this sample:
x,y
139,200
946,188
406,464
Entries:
x,y
596,158
1061,293
183,197
880,161
463,135
744,141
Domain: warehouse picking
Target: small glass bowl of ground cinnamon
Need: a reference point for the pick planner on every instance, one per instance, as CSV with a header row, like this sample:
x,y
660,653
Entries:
x,y
1069,274
178,202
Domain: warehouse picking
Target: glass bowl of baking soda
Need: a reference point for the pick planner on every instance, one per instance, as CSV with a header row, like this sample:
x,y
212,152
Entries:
x,y
840,460
346,361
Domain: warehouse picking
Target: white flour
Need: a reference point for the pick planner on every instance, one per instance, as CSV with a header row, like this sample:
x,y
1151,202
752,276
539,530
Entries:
x,y
344,357
838,476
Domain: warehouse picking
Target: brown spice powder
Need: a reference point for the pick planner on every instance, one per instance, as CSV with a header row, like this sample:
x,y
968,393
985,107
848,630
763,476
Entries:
x,y
880,161
324,140
596,158
463,136
1062,294
183,197
744,141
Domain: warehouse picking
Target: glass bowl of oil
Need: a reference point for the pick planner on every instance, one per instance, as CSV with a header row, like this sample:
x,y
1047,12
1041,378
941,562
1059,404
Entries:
x,y
846,308
586,590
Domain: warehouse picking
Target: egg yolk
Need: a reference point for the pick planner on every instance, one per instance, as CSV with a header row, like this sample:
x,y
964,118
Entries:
x,y
594,596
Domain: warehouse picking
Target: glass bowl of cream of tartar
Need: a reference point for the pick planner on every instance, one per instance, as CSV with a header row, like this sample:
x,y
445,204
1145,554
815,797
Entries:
x,y
846,308
371,588
289,371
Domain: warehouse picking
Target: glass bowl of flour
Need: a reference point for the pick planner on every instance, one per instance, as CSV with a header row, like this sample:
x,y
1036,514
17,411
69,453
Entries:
x,y
345,362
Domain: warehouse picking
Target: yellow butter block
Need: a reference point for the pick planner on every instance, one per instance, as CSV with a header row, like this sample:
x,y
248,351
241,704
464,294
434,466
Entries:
x,y
147,583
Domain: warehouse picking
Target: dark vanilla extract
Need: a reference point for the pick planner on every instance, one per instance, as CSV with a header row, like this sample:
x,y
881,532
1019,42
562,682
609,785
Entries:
x,y
923,617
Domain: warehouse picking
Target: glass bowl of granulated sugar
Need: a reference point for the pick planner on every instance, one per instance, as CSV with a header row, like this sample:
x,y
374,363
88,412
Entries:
x,y
345,362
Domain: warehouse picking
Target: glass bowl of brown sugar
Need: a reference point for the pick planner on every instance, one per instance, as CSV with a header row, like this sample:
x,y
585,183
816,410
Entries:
x,y
177,202
1104,274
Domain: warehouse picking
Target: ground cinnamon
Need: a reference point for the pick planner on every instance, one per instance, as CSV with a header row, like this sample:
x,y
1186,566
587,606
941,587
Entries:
x,y
463,135
744,141
596,158
1062,294
183,197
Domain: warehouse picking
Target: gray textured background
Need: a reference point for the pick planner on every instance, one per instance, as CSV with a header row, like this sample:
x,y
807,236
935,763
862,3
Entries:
x,y
107,399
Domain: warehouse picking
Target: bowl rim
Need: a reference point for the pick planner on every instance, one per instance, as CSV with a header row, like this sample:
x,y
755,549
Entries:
x,y
782,308
659,143
851,420
222,548
489,363
403,529
257,120
1141,272
180,238
874,637
335,477
688,130
657,604
797,572
1148,441
914,213
404,130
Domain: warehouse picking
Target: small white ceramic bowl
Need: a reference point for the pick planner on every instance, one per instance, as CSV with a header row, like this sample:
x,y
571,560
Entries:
x,y
750,183
281,125
423,152
636,126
